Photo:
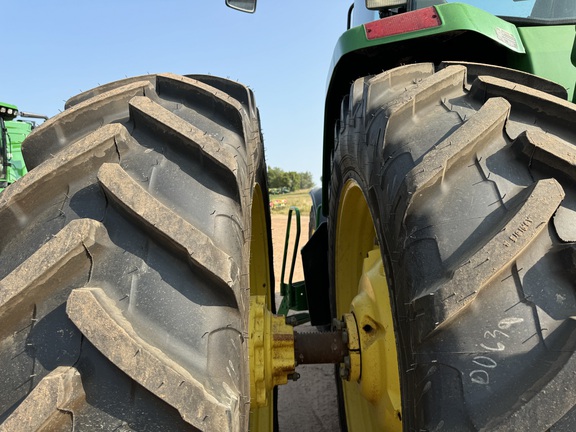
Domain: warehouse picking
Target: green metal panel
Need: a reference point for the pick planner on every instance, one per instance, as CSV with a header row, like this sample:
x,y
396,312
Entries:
x,y
17,131
454,17
550,53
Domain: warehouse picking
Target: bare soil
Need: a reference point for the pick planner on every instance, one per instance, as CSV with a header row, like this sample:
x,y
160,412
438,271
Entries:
x,y
309,404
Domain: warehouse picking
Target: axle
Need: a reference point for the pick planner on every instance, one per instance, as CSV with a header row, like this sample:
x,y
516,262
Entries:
x,y
275,349
314,347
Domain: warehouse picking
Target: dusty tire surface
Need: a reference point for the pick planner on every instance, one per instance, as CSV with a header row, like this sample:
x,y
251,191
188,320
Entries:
x,y
125,261
470,182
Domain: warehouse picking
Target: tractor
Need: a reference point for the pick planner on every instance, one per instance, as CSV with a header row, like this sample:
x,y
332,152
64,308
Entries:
x,y
12,133
136,280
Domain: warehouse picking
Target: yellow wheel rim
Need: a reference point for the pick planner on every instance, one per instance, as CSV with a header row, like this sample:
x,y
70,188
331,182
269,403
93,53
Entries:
x,y
261,419
373,403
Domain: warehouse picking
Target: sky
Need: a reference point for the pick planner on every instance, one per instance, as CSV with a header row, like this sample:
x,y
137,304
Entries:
x,y
56,49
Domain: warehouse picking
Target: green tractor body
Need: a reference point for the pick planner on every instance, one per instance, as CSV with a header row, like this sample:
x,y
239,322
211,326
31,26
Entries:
x,y
13,133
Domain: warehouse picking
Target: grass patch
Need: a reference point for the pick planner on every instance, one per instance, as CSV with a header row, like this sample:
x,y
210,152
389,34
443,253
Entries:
x,y
280,204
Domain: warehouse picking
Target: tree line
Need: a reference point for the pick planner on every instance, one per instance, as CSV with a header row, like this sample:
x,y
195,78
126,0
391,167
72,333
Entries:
x,y
280,181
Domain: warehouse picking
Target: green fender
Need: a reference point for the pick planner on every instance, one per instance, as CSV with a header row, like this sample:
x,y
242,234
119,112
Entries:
x,y
545,50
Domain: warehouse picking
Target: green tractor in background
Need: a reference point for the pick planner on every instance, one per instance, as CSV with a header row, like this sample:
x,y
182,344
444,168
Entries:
x,y
13,132
440,273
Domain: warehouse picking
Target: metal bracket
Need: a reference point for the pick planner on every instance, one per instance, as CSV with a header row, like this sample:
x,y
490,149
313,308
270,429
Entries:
x,y
293,293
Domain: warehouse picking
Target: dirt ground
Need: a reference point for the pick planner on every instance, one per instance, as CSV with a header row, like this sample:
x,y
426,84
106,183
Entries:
x,y
310,403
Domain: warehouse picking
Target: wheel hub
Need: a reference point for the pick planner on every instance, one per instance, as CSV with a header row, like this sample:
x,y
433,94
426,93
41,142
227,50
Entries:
x,y
378,381
271,351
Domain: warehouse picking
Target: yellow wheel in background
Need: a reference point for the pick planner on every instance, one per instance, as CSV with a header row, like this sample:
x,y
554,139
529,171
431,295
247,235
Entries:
x,y
373,402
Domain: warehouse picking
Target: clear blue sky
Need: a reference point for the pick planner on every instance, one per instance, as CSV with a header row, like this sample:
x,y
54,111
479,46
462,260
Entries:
x,y
55,49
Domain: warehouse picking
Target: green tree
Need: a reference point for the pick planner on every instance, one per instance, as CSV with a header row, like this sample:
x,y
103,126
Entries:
x,y
306,180
275,177
292,180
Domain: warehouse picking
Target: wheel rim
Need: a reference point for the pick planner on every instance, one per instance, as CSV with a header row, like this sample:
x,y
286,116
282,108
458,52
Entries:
x,y
262,418
374,402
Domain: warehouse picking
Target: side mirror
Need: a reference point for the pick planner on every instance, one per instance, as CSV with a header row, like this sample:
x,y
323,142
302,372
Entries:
x,y
384,4
242,5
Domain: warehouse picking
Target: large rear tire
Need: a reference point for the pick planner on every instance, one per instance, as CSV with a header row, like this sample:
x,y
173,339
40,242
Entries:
x,y
453,196
127,257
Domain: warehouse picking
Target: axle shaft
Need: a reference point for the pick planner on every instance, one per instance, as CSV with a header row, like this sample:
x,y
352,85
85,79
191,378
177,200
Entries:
x,y
316,347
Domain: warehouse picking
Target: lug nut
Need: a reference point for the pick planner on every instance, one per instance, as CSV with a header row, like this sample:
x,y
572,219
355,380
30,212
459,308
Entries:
x,y
337,324
294,376
347,362
344,369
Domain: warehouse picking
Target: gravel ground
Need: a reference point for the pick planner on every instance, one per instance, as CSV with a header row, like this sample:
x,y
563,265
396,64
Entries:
x,y
309,404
